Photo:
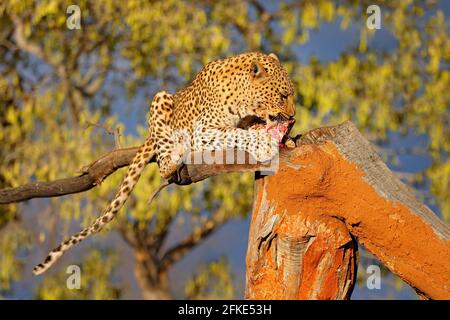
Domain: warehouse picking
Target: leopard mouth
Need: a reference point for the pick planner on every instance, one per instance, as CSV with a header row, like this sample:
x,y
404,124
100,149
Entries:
x,y
280,129
278,125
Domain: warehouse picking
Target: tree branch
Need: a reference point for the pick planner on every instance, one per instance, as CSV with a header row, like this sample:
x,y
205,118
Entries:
x,y
94,173
156,238
23,44
331,189
332,174
91,176
177,252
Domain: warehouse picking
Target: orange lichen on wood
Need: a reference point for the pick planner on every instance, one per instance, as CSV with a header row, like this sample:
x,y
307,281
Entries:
x,y
306,259
318,193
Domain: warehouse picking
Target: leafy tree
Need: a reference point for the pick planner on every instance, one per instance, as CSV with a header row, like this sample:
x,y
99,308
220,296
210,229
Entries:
x,y
213,281
95,283
55,83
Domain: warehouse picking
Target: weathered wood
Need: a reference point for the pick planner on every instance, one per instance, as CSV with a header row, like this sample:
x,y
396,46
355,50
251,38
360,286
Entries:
x,y
329,190
291,256
94,173
91,176
333,186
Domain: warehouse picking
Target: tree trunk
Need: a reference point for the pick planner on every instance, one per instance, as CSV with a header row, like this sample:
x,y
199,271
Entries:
x,y
331,188
153,285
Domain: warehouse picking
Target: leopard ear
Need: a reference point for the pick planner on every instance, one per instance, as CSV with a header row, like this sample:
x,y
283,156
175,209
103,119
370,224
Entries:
x,y
257,71
273,55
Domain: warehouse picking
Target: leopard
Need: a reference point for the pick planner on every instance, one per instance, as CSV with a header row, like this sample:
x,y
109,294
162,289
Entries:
x,y
209,112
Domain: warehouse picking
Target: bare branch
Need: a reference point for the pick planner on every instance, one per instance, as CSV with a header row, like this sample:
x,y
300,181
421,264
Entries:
x,y
156,238
94,173
199,234
91,176
93,79
23,44
126,234
115,132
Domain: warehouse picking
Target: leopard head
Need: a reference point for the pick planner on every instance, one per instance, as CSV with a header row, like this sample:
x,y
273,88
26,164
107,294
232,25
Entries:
x,y
270,90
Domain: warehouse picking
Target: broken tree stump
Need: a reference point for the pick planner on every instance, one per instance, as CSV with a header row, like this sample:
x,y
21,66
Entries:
x,y
331,189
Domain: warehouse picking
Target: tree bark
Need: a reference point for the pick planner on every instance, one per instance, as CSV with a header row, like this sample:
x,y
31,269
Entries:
x,y
293,256
91,175
330,188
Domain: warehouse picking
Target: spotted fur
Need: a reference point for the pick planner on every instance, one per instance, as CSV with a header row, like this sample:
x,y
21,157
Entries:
x,y
204,115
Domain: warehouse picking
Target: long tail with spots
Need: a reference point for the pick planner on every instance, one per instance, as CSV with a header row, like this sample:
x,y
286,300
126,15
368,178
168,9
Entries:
x,y
141,159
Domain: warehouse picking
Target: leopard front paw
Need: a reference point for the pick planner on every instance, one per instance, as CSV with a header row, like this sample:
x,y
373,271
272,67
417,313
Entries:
x,y
266,148
264,155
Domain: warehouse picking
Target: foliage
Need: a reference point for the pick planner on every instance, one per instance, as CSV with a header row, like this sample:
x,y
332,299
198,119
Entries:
x,y
12,239
96,282
212,281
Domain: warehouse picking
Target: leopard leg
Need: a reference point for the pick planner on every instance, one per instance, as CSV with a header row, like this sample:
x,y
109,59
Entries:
x,y
258,142
161,133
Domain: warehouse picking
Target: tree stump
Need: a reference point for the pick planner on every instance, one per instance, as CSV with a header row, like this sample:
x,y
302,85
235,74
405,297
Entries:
x,y
330,190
